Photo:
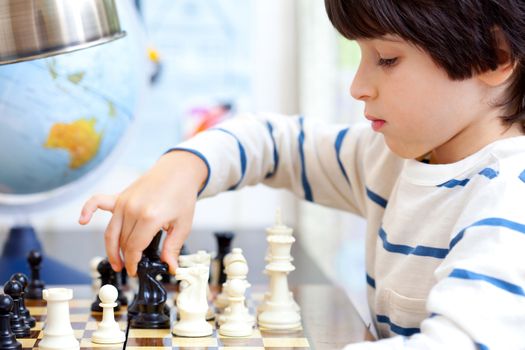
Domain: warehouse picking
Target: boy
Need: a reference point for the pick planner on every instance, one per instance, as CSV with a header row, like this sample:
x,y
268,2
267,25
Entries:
x,y
440,177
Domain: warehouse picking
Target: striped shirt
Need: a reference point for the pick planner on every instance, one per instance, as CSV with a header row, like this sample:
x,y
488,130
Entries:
x,y
445,244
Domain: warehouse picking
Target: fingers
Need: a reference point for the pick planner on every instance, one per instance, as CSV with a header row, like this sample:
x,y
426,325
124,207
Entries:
x,y
174,241
138,240
112,238
101,201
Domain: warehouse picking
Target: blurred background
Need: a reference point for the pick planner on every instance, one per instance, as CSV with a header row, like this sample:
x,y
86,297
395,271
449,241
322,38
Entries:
x,y
201,62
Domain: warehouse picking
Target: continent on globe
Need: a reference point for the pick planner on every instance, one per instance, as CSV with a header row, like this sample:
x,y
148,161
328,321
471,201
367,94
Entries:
x,y
79,138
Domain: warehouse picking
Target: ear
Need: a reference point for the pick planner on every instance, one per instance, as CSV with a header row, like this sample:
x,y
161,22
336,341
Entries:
x,y
505,67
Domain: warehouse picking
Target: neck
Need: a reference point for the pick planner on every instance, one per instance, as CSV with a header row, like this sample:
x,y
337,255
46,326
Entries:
x,y
472,139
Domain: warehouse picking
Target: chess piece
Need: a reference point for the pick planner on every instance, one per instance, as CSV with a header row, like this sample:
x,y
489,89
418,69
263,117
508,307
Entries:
x,y
236,268
95,275
151,297
204,259
224,241
279,311
108,331
58,333
192,303
36,285
151,253
278,229
237,323
107,276
18,325
241,271
7,337
24,312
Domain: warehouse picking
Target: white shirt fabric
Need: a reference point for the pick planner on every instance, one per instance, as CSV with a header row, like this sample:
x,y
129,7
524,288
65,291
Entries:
x,y
445,246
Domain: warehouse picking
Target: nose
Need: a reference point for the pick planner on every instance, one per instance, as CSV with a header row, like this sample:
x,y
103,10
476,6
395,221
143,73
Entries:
x,y
362,87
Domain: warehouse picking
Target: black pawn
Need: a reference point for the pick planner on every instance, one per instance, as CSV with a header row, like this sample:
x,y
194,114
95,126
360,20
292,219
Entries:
x,y
7,337
36,285
107,276
24,312
15,289
224,245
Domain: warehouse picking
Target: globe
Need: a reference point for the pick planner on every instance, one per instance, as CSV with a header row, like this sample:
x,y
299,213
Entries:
x,y
62,121
63,117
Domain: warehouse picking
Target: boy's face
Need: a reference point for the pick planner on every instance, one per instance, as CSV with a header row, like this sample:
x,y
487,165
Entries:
x,y
417,107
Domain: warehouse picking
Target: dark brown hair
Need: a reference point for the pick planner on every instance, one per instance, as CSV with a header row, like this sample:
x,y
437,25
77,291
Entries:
x,y
457,34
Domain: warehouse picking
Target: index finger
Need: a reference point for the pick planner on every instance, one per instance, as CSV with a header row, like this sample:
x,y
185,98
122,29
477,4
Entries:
x,y
101,201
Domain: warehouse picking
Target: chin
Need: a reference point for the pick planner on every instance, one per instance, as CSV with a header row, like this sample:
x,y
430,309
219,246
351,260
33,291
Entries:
x,y
405,151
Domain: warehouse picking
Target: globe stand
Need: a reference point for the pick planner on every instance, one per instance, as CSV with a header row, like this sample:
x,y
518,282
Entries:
x,y
23,239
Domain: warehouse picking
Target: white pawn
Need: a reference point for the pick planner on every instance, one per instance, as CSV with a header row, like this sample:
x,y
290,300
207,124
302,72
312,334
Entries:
x,y
238,323
108,331
58,333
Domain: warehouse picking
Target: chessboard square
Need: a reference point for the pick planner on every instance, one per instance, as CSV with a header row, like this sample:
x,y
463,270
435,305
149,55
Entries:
x,y
91,325
149,342
255,334
79,333
38,326
240,342
194,342
241,348
78,325
149,333
80,303
128,347
286,342
257,296
33,334
86,343
79,317
37,310
27,342
298,333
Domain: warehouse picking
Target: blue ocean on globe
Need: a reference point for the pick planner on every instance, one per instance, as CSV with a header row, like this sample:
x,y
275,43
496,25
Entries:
x,y
62,117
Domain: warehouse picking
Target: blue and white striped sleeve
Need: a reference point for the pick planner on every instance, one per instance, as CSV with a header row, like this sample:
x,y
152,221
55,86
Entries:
x,y
284,152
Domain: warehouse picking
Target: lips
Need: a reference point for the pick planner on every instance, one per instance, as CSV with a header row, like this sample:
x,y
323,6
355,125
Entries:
x,y
377,123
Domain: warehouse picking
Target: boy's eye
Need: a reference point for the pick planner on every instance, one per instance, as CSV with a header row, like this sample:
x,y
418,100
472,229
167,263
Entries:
x,y
387,62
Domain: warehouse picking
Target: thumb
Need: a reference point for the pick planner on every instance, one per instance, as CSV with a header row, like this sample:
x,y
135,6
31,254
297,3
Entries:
x,y
177,234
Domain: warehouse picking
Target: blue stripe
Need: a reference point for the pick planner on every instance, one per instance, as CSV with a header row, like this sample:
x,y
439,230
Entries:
x,y
374,197
482,346
489,173
469,275
488,222
407,332
201,156
454,183
306,185
419,250
522,176
242,154
275,153
371,282
338,143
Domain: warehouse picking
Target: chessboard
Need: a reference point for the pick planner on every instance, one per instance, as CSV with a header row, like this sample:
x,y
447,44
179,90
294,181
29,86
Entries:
x,y
84,323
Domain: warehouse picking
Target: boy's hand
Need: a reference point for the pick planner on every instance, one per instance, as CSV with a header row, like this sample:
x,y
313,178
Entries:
x,y
164,197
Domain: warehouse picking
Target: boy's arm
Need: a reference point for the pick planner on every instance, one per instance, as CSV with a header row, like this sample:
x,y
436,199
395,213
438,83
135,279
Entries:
x,y
318,162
